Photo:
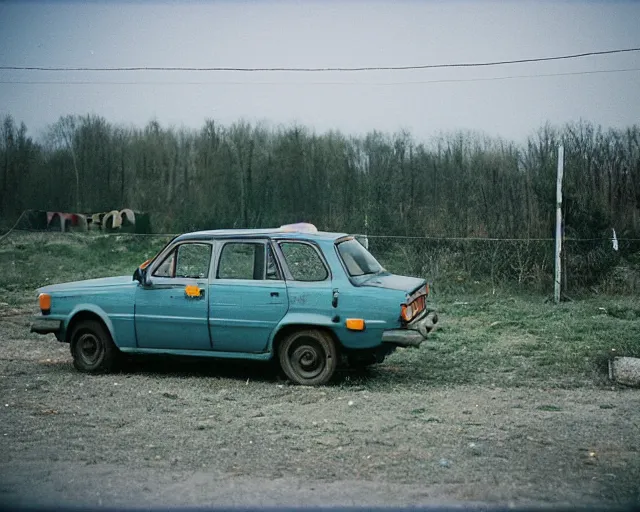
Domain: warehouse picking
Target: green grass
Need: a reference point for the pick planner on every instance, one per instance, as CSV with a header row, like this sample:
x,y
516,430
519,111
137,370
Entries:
x,y
30,260
515,340
502,339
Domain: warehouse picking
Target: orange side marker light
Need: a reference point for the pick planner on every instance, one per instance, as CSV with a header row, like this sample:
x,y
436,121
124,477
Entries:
x,y
355,324
44,300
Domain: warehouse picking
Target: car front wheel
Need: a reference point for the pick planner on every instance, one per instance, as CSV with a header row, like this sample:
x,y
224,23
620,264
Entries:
x,y
92,348
308,357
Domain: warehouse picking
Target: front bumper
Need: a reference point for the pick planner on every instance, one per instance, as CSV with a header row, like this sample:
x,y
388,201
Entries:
x,y
414,334
43,325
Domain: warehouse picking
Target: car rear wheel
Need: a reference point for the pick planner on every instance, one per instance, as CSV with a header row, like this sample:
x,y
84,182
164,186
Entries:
x,y
92,348
308,357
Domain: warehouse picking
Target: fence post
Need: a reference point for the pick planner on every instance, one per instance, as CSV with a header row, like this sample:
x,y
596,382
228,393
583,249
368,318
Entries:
x,y
557,279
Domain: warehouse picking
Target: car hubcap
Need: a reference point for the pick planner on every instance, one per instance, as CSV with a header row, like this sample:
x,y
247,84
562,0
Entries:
x,y
307,360
90,348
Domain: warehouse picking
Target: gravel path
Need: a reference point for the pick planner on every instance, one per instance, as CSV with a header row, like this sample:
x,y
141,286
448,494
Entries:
x,y
167,432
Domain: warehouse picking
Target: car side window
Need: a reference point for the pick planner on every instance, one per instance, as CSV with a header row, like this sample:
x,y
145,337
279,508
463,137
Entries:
x,y
238,261
304,262
187,261
167,266
273,272
193,261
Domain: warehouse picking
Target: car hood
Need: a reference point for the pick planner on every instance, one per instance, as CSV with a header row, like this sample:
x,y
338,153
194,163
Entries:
x,y
392,282
87,284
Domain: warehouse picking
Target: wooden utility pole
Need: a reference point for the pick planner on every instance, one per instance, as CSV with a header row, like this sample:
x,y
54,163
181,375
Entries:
x,y
558,276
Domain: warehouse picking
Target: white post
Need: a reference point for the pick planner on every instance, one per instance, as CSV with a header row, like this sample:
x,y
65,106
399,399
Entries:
x,y
556,288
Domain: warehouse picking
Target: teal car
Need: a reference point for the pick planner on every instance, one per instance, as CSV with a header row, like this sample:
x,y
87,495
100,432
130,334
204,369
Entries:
x,y
311,300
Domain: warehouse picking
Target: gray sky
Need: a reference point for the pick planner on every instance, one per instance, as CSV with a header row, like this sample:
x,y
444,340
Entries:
x,y
319,34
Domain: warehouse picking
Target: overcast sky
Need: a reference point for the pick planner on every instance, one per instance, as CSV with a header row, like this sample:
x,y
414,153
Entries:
x,y
321,34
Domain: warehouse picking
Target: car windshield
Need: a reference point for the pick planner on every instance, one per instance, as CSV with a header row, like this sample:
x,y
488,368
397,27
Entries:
x,y
357,259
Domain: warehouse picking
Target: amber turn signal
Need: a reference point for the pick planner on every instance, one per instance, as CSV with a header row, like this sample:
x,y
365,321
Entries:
x,y
355,324
45,303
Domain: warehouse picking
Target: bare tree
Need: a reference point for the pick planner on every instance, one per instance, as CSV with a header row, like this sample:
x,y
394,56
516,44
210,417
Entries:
x,y
63,134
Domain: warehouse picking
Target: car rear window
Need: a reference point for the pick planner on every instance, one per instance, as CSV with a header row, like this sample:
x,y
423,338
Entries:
x,y
357,259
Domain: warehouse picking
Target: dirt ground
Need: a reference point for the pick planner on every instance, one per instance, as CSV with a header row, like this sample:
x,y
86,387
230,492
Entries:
x,y
167,432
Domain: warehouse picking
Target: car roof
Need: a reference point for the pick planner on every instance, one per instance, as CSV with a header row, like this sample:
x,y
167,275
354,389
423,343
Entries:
x,y
260,233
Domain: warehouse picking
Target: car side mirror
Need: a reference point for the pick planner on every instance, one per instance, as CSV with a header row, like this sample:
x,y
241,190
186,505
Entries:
x,y
140,275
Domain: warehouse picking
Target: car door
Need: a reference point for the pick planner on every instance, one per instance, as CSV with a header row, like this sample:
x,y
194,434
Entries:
x,y
172,311
247,297
309,285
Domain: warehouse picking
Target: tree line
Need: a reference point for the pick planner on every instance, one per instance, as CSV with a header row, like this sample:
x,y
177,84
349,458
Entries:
x,y
462,184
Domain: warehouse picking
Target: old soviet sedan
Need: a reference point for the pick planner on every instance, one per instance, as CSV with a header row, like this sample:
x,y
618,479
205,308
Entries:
x,y
310,299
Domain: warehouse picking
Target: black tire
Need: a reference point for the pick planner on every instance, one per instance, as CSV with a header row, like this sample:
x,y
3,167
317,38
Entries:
x,y
92,348
308,357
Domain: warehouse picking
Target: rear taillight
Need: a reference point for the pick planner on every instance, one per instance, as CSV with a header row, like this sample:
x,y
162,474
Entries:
x,y
415,305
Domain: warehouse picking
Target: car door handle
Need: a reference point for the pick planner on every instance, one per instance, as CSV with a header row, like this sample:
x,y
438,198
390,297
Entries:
x,y
192,291
275,294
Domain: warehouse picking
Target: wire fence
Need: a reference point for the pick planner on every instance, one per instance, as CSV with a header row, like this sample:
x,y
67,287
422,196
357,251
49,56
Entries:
x,y
449,264
588,266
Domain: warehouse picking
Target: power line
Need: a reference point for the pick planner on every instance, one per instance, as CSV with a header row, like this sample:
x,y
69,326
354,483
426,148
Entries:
x,y
379,237
364,68
413,82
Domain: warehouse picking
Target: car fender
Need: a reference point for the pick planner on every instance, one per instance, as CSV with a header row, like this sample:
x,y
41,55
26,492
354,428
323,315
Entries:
x,y
96,310
309,319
